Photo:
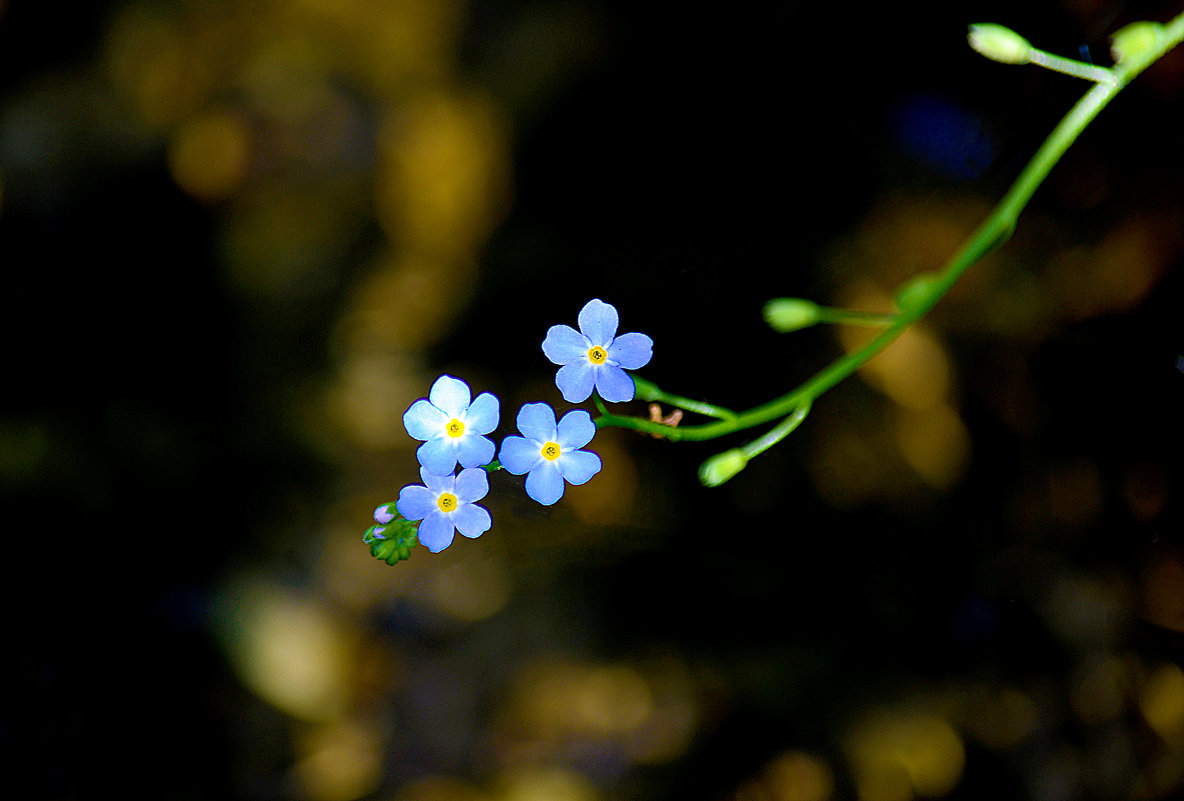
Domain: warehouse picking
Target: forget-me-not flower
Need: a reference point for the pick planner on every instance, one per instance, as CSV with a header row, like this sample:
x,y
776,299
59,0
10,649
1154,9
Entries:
x,y
453,428
549,453
594,356
446,504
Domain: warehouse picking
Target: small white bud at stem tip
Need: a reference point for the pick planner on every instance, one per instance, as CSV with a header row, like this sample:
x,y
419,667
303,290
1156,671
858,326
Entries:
x,y
999,44
791,314
721,467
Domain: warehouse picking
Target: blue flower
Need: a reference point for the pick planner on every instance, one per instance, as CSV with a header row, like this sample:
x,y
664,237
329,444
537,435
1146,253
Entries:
x,y
446,504
452,427
595,357
548,453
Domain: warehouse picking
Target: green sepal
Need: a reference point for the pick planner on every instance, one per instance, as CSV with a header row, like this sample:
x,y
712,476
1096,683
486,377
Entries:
x,y
392,543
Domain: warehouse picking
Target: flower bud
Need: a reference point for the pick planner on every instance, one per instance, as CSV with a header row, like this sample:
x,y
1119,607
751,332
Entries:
x,y
916,292
383,514
646,390
1134,40
791,314
721,467
999,44
393,543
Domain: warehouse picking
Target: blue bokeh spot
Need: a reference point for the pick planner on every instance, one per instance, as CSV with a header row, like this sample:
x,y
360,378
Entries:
x,y
944,137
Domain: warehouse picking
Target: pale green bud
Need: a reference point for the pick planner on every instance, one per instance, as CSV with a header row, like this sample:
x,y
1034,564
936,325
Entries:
x,y
999,44
1134,40
721,467
916,292
791,314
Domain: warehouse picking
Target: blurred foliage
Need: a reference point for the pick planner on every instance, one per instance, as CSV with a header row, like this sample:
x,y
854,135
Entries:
x,y
240,237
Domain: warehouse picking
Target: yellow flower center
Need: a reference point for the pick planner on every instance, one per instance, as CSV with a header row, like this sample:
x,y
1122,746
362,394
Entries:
x,y
551,451
597,355
454,428
446,502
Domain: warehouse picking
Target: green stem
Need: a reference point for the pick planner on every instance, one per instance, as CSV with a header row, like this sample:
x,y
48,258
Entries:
x,y
835,316
990,233
649,392
1069,66
777,433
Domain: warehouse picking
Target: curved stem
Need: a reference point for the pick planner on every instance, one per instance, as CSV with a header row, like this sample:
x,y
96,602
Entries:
x,y
836,316
990,233
777,433
651,393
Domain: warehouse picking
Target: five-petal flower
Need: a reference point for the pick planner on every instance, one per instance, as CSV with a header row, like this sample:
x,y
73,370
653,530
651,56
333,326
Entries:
x,y
453,428
446,504
549,453
595,357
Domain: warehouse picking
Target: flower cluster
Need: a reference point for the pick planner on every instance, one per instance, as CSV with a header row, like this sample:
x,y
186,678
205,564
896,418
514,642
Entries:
x,y
454,428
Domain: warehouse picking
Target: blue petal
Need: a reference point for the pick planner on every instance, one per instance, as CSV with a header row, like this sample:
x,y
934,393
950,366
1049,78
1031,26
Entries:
x,y
472,520
575,380
383,514
545,484
438,482
416,502
598,322
631,351
483,414
614,384
436,531
565,344
519,455
471,485
424,421
576,430
474,451
450,395
576,467
438,456
537,421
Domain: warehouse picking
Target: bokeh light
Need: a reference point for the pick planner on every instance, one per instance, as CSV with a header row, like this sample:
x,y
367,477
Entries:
x,y
241,237
342,761
900,756
289,649
1162,701
441,177
209,156
792,776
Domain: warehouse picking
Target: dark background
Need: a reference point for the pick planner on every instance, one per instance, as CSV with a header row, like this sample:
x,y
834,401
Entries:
x,y
969,589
